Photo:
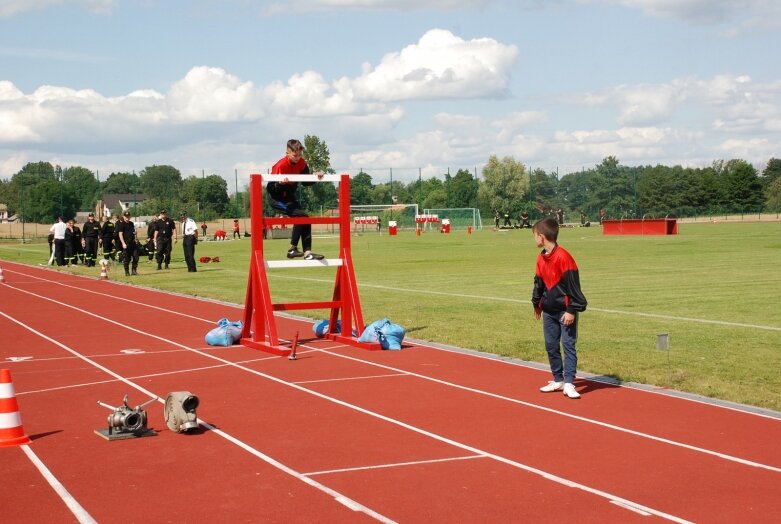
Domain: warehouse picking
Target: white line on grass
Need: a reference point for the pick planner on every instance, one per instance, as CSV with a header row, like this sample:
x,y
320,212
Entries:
x,y
459,350
446,294
422,343
342,499
528,303
77,509
472,353
525,467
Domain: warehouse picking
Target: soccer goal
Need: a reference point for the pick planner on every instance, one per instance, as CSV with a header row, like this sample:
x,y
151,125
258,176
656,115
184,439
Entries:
x,y
460,217
368,217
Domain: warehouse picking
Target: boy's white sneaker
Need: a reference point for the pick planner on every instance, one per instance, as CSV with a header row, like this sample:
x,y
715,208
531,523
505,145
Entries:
x,y
569,390
552,386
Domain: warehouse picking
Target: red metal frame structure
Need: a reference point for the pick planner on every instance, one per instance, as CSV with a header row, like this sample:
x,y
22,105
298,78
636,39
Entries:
x,y
260,329
638,226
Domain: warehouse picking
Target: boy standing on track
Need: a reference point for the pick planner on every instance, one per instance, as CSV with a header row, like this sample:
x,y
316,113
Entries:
x,y
283,198
558,299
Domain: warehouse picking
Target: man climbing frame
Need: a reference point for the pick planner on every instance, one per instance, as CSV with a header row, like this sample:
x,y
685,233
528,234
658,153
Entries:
x,y
283,198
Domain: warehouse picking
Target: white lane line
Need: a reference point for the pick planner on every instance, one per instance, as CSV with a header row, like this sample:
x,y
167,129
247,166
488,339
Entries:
x,y
77,509
342,499
447,294
395,465
150,375
524,366
562,413
440,438
121,353
630,508
343,379
121,299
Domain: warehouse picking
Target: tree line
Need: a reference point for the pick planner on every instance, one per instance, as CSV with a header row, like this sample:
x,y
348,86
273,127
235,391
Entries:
x,y
40,192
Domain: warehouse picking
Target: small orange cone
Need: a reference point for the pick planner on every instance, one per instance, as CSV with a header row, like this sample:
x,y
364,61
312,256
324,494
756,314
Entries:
x,y
2,276
11,432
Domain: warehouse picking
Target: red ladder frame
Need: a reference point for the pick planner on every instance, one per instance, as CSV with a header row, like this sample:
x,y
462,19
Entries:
x,y
259,321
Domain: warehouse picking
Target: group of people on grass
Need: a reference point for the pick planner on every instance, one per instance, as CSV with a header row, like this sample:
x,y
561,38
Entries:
x,y
119,241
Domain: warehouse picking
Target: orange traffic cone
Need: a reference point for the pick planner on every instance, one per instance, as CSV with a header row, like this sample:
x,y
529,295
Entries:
x,y
11,432
2,276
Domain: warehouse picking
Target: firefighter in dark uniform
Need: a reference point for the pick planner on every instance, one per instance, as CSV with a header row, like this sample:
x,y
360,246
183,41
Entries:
x,y
165,231
72,239
148,248
107,238
89,240
117,243
126,230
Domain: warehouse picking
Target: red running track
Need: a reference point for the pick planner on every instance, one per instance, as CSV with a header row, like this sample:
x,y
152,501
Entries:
x,y
343,435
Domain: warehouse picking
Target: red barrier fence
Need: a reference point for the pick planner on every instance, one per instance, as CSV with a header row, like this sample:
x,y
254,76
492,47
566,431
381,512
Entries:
x,y
640,226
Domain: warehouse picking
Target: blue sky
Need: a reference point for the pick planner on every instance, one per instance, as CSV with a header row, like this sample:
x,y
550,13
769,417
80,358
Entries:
x,y
418,86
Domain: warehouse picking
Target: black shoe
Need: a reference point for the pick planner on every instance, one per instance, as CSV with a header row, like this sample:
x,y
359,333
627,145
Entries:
x,y
294,253
127,273
159,267
134,273
313,256
166,266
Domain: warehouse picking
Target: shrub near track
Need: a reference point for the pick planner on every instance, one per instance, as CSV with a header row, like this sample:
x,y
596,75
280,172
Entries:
x,y
714,288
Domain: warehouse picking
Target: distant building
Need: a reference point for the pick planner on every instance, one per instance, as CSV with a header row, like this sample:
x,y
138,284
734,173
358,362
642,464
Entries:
x,y
112,201
3,213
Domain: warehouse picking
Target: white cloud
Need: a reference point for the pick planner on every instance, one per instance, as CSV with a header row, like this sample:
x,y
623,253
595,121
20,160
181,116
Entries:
x,y
440,65
11,7
738,15
749,148
210,94
740,103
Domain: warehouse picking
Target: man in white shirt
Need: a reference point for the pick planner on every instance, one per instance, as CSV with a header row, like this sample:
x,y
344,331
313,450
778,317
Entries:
x,y
190,238
59,241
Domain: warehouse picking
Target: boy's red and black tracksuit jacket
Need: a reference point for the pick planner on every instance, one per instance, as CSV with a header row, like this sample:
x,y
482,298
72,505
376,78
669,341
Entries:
x,y
557,283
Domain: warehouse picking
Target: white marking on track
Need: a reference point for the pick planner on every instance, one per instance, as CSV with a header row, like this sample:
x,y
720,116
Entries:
x,y
395,465
563,413
402,374
630,508
353,505
435,293
525,467
77,509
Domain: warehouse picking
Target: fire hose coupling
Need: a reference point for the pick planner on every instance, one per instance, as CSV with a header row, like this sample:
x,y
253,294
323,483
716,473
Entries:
x,y
126,422
180,415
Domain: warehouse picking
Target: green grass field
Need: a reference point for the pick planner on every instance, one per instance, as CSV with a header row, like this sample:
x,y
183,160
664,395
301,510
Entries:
x,y
715,288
